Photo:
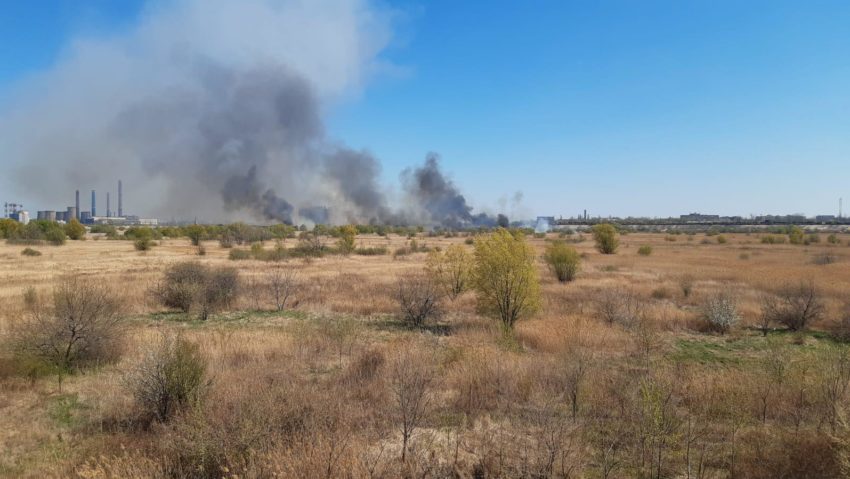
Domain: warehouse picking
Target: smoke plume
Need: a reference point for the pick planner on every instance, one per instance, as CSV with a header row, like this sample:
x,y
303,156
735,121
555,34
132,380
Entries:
x,y
213,109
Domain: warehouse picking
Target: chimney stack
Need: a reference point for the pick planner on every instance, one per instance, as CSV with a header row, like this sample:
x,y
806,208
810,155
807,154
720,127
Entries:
x,y
108,212
93,204
120,201
77,204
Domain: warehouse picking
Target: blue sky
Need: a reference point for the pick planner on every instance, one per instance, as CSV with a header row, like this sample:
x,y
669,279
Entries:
x,y
619,107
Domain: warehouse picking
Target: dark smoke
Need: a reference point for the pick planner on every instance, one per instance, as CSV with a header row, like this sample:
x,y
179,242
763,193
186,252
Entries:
x,y
213,109
439,197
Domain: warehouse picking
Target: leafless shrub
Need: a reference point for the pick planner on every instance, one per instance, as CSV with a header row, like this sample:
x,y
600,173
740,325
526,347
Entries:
x,y
842,329
620,306
720,311
686,284
78,326
411,381
169,379
824,259
283,283
418,298
795,306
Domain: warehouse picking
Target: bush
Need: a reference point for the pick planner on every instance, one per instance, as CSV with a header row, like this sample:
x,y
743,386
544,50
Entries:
x,y
720,312
833,239
794,305
55,236
795,235
192,286
645,250
239,254
30,252
418,298
196,234
721,239
505,278
169,379
347,235
143,244
451,269
620,306
283,283
563,260
74,230
372,251
606,238
79,326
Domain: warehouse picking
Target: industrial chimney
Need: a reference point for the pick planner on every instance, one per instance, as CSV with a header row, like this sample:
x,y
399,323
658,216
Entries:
x,y
108,211
77,204
120,201
93,203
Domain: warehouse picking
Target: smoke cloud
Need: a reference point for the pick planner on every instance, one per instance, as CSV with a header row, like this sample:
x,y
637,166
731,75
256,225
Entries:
x,y
213,109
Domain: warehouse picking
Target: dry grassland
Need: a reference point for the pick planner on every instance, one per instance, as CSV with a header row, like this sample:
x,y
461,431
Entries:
x,y
308,392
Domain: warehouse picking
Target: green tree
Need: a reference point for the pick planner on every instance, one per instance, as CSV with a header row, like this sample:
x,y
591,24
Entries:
x,y
8,227
606,238
75,230
196,234
345,243
563,260
451,269
795,235
505,278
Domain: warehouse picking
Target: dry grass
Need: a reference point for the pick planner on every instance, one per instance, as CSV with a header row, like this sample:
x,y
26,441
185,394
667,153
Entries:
x,y
304,392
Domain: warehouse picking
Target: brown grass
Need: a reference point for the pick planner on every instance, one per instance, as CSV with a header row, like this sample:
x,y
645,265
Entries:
x,y
304,392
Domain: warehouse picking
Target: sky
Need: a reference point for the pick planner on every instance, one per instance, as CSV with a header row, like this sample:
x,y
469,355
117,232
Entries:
x,y
622,108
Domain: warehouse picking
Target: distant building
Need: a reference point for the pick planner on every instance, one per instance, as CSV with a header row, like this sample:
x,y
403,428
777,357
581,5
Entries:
x,y
550,220
825,218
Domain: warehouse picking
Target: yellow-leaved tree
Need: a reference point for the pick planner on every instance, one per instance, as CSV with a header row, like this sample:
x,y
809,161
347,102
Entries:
x,y
505,278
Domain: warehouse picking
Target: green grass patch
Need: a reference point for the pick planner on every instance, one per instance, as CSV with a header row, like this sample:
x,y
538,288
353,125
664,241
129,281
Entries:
x,y
65,410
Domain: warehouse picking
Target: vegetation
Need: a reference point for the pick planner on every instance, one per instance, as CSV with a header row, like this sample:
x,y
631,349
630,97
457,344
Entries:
x,y
30,252
169,379
347,236
606,238
720,312
418,298
451,269
74,230
505,278
192,286
78,326
795,305
645,250
563,260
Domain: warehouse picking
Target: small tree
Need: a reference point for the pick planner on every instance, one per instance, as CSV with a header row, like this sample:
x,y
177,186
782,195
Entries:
x,y
720,312
606,238
169,379
74,230
411,382
563,260
451,269
418,299
283,283
505,278
347,235
78,326
795,305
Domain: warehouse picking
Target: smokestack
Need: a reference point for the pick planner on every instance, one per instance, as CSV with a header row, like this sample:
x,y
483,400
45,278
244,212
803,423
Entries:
x,y
120,201
93,203
108,212
77,204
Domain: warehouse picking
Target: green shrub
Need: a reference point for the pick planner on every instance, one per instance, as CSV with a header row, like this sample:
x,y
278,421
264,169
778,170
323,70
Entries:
x,y
74,230
721,239
30,252
606,238
645,250
451,269
563,260
372,251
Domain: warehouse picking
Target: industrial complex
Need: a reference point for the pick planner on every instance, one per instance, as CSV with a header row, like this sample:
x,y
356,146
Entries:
x,y
17,212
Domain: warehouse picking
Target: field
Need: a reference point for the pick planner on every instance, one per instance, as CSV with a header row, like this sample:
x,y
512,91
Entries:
x,y
314,390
